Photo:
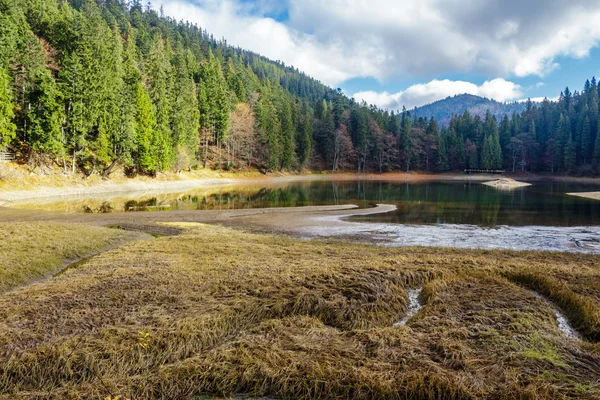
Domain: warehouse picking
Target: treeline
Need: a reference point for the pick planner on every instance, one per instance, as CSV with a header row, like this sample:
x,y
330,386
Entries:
x,y
92,85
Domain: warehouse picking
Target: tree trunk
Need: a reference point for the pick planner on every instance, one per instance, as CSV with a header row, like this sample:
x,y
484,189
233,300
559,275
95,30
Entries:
x,y
108,171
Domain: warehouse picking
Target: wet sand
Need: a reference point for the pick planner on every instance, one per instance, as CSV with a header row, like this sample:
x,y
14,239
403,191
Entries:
x,y
587,195
335,222
506,184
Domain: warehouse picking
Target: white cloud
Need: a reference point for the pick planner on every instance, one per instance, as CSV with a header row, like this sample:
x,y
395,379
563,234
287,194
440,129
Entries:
x,y
538,99
239,25
337,40
421,94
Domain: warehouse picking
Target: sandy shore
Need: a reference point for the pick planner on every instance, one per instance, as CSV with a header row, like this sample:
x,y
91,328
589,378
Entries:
x,y
587,195
506,184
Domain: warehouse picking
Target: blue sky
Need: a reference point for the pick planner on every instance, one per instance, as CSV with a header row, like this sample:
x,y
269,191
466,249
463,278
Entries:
x,y
412,52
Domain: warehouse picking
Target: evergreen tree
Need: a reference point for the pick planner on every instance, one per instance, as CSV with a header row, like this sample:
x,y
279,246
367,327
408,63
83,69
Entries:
x,y
570,160
405,140
269,123
145,124
186,113
44,116
7,127
491,154
586,141
126,135
596,155
160,90
304,137
442,159
287,133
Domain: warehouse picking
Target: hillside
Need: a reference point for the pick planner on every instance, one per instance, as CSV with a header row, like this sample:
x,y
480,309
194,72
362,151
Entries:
x,y
91,87
442,110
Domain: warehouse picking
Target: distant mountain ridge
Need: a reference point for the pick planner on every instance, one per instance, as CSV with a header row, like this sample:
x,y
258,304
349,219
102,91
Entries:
x,y
442,110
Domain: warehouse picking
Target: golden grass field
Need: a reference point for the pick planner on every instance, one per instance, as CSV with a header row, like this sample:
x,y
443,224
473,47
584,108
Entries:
x,y
221,312
30,251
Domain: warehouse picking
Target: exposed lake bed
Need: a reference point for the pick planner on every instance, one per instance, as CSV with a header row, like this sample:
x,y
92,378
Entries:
x,y
461,214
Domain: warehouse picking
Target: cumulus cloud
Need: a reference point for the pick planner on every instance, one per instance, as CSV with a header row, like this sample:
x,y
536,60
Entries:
x,y
241,26
337,40
421,94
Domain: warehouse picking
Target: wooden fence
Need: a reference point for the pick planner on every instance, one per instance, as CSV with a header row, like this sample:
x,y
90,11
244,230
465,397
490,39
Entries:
x,y
4,156
485,171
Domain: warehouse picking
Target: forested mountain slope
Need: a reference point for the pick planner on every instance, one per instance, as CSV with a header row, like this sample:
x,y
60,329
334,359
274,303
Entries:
x,y
442,110
94,85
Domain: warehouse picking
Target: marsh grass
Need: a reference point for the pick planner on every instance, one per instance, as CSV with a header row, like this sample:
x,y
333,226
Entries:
x,y
30,251
583,312
220,312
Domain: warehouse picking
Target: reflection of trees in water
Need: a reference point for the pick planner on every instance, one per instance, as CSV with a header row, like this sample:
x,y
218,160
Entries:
x,y
427,202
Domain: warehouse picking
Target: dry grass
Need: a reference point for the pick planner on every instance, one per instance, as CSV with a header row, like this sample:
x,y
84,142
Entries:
x,y
583,311
218,311
30,251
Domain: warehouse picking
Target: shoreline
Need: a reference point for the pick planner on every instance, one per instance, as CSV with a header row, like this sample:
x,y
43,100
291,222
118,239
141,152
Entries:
x,y
335,222
173,183
586,195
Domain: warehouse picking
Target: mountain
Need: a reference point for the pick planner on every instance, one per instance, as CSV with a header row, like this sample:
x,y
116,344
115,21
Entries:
x,y
442,110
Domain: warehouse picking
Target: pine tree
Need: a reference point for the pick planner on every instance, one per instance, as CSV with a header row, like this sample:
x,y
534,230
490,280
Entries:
x,y
287,133
108,145
304,137
125,142
269,123
7,127
442,158
215,107
160,91
44,116
586,141
186,114
145,123
491,154
79,117
405,140
570,160
596,155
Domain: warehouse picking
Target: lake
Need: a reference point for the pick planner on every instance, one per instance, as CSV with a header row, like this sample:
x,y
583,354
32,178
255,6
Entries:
x,y
431,203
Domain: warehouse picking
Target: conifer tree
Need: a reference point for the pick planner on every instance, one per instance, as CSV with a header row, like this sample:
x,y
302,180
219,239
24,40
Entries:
x,y
186,114
126,136
596,155
442,158
145,124
287,133
7,127
304,137
586,141
44,116
570,155
405,140
160,91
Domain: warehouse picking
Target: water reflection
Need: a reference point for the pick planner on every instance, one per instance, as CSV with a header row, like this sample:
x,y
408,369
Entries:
x,y
464,203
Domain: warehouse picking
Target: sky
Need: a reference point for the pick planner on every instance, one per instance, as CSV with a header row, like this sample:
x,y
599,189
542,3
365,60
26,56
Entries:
x,y
395,53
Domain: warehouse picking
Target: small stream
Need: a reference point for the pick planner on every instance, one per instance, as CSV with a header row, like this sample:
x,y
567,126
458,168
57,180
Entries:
x,y
563,323
414,305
